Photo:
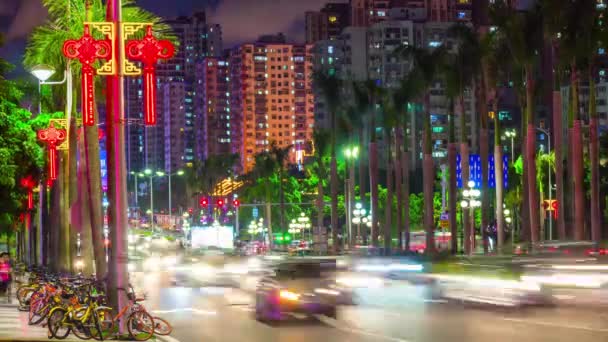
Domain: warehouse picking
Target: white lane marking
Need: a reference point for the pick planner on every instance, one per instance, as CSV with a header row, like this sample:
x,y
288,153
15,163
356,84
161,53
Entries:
x,y
337,325
193,310
549,324
166,338
9,326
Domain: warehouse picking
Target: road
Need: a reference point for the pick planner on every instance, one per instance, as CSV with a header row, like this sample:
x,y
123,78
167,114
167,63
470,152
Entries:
x,y
202,312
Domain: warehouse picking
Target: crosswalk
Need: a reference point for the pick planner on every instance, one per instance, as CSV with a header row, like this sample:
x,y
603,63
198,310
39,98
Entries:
x,y
13,323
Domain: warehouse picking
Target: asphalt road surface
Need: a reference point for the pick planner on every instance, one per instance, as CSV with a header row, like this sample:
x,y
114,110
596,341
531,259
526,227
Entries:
x,y
200,311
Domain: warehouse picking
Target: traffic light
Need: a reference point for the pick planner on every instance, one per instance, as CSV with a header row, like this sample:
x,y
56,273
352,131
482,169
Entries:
x,y
220,202
236,203
190,211
204,202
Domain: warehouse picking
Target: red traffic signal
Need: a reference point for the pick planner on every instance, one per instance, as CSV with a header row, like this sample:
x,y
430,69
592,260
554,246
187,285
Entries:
x,y
204,202
220,202
190,211
236,203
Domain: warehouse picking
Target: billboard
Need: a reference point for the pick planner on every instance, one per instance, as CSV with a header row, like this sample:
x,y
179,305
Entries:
x,y
212,236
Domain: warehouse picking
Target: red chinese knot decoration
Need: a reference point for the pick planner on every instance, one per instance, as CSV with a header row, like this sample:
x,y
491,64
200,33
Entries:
x,y
148,51
52,137
87,50
29,183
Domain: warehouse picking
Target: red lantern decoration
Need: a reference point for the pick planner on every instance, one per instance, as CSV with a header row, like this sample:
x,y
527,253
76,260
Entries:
x,y
52,137
87,50
29,184
149,50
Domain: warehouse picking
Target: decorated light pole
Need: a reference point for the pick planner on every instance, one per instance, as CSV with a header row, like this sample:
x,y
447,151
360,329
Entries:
x,y
470,200
52,137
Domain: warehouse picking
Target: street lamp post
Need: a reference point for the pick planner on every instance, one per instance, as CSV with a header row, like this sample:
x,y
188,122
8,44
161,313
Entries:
x,y
511,134
359,213
507,215
136,175
150,174
179,173
43,73
548,134
471,200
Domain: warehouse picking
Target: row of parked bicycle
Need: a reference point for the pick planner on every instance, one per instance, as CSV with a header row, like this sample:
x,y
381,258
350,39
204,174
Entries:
x,y
78,305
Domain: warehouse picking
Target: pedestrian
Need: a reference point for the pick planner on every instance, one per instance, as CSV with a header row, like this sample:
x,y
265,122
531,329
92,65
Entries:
x,y
5,272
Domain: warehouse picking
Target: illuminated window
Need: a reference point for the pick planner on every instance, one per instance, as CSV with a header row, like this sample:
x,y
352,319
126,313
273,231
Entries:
x,y
333,19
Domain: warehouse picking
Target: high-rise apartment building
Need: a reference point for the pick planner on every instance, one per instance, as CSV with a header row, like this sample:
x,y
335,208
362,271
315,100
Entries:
x,y
174,126
147,147
218,123
385,67
272,99
327,23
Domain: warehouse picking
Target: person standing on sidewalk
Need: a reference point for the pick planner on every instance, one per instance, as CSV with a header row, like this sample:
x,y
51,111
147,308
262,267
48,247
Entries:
x,y
5,272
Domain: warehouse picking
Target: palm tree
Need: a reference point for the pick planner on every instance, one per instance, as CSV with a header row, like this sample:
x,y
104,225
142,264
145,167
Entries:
x,y
330,87
66,18
426,67
280,158
263,169
321,140
522,32
389,122
458,72
368,97
401,99
554,19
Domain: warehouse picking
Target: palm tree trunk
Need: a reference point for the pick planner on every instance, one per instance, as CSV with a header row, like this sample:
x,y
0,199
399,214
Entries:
x,y
534,204
282,198
559,163
362,179
428,179
405,161
399,185
388,208
578,173
320,208
464,166
483,153
269,215
577,160
93,184
596,229
452,193
484,145
86,242
373,181
334,199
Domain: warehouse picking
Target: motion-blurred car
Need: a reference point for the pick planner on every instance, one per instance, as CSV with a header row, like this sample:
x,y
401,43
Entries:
x,y
303,286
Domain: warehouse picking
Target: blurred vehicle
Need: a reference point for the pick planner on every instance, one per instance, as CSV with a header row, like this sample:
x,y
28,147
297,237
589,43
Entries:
x,y
490,291
297,286
561,250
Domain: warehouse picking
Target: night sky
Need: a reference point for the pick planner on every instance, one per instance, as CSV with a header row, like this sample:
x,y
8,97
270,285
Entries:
x,y
241,20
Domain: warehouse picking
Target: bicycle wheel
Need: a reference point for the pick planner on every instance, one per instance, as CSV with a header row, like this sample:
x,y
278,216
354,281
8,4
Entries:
x,y
141,326
102,325
162,327
23,294
79,329
36,307
56,324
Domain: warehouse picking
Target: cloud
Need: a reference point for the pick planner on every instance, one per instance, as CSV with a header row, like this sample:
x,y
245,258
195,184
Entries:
x,y
30,14
245,20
